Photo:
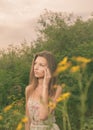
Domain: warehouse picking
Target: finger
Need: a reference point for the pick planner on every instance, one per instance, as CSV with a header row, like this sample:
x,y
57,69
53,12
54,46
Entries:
x,y
48,72
45,72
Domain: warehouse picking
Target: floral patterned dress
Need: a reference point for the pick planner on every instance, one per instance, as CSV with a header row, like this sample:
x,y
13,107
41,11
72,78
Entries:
x,y
36,124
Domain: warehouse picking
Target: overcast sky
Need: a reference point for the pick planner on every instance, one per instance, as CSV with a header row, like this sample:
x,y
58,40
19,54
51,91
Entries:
x,y
17,17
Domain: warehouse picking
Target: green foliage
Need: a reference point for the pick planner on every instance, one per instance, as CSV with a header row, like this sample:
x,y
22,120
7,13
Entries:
x,y
12,114
64,33
14,72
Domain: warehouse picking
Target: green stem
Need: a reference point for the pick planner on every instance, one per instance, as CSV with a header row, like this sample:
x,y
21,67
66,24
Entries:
x,y
64,122
83,110
68,121
88,84
83,99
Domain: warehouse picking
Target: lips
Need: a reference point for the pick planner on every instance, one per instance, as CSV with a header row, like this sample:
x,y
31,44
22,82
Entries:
x,y
35,72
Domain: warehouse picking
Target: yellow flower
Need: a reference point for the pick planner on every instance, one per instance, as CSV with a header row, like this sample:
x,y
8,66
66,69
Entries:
x,y
52,105
75,68
63,62
25,119
19,127
62,68
7,108
63,85
82,59
16,112
59,99
63,97
1,117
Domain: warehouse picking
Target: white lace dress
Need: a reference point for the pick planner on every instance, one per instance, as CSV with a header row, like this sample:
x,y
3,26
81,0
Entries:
x,y
36,124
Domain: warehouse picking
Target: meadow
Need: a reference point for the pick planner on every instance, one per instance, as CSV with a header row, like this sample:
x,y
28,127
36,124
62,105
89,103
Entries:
x,y
70,39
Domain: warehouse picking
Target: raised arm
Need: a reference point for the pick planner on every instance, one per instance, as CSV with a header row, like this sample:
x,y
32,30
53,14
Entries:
x,y
44,109
44,96
58,93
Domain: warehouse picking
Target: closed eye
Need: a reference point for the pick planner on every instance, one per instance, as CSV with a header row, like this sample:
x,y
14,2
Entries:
x,y
39,64
42,65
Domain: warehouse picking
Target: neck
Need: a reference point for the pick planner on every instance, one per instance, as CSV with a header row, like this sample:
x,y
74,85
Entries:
x,y
40,82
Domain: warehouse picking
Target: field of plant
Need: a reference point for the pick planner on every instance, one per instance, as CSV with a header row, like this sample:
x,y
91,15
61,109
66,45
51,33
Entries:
x,y
70,39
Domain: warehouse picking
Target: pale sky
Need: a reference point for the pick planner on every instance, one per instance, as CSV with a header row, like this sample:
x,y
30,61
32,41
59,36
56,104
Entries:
x,y
18,17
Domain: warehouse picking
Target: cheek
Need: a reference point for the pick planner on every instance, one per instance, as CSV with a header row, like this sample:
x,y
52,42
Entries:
x,y
41,70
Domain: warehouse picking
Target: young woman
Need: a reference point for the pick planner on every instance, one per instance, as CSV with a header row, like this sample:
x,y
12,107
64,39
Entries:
x,y
40,91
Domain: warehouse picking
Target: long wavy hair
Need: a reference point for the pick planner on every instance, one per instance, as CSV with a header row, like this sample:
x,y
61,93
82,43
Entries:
x,y
52,65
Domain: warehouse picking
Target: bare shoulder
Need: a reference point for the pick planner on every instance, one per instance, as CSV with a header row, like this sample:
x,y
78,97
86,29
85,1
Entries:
x,y
59,88
27,89
58,92
27,92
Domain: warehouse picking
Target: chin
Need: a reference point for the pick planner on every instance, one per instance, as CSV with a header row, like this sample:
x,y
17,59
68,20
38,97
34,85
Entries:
x,y
39,76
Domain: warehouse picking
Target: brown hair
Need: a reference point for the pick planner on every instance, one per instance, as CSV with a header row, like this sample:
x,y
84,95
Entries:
x,y
52,67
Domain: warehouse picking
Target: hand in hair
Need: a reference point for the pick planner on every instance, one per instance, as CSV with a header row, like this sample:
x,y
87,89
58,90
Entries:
x,y
47,78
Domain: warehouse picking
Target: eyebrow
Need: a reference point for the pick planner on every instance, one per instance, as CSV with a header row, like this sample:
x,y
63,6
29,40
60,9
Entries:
x,y
40,63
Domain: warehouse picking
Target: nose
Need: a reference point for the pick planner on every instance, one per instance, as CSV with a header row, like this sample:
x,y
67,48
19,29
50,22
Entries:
x,y
35,67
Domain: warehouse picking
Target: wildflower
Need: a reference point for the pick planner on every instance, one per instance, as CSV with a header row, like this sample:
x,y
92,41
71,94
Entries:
x,y
63,85
82,59
7,108
63,97
1,117
25,119
61,68
52,105
16,112
19,127
75,68
63,62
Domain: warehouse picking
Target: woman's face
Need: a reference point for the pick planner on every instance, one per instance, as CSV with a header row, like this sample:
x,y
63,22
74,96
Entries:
x,y
40,65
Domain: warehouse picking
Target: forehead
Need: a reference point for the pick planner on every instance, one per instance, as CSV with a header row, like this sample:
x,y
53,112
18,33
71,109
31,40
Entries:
x,y
41,59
